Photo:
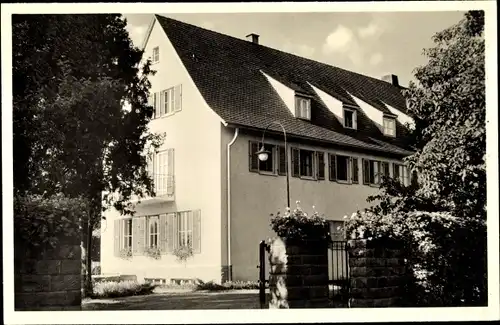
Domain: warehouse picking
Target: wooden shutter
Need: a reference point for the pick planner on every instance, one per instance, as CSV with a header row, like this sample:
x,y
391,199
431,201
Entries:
x,y
162,220
295,162
117,232
366,171
332,162
253,162
138,235
171,235
297,107
197,231
355,170
158,105
355,120
282,163
178,98
321,165
170,171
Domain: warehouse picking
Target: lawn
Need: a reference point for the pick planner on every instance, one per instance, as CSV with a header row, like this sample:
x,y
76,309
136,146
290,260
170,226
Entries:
x,y
171,300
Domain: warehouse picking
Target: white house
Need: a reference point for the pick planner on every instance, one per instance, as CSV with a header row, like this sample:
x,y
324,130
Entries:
x,y
213,96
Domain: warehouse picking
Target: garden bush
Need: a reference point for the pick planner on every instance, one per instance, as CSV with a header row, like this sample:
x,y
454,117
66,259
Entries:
x,y
112,289
297,225
444,254
229,285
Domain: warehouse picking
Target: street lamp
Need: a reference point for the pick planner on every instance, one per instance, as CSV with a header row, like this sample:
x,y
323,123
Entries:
x,y
263,155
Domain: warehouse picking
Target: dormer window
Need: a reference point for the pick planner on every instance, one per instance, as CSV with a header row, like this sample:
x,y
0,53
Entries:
x,y
303,107
389,126
156,55
350,118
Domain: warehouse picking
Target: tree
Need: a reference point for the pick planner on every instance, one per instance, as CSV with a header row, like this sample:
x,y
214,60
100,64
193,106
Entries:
x,y
72,76
442,217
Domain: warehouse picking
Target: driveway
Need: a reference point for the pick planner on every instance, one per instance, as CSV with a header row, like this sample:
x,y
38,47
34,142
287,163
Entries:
x,y
238,299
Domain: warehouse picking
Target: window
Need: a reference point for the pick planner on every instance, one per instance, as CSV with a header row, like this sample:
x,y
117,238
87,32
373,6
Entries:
x,y
390,126
374,171
167,101
275,163
161,168
400,173
153,232
303,107
343,168
350,120
306,163
127,233
156,55
185,228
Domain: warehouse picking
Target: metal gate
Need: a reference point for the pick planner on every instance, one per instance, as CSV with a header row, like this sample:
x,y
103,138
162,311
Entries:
x,y
338,273
263,282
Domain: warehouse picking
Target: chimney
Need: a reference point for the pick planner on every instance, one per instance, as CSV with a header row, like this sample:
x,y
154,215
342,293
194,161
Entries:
x,y
254,38
392,79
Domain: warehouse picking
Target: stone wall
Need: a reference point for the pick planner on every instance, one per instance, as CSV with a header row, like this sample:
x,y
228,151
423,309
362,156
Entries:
x,y
377,273
50,279
298,277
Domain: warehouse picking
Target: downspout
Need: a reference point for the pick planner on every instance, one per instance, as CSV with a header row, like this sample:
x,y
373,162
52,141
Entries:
x,y
230,271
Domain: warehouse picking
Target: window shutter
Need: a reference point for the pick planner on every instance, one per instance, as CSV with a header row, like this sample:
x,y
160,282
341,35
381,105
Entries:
x,y
171,235
355,170
366,171
333,167
163,232
295,162
253,163
138,235
197,231
170,171
321,165
282,163
117,242
178,98
157,105
355,120
297,107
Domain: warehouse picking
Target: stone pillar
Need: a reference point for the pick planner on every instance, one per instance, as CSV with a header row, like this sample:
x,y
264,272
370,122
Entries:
x,y
298,276
49,279
377,273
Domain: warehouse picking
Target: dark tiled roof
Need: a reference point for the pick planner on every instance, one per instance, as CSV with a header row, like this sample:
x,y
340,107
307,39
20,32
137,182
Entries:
x,y
228,73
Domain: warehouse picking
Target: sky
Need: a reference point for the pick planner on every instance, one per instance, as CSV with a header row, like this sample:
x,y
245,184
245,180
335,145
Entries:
x,y
370,43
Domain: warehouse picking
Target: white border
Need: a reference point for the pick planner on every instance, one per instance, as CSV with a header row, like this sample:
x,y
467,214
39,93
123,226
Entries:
x,y
262,316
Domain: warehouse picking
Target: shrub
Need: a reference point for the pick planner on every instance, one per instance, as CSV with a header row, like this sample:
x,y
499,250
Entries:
x,y
126,253
298,225
42,222
230,285
445,254
112,289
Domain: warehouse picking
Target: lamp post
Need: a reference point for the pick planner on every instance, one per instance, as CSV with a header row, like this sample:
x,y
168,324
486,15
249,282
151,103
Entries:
x,y
263,155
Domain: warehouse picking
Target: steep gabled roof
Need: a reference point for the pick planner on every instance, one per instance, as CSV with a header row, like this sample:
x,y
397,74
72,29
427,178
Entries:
x,y
228,74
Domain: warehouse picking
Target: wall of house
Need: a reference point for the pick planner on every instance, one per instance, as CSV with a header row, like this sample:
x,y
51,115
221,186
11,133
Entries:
x,y
255,196
194,133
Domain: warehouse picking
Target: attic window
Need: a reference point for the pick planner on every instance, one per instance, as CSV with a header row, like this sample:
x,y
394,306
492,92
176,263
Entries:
x,y
156,55
303,107
389,126
350,118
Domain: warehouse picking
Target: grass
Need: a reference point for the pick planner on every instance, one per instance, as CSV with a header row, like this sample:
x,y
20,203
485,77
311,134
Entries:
x,y
112,289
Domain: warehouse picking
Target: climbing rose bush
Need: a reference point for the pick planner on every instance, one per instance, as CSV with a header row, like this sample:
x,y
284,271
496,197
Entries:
x,y
298,225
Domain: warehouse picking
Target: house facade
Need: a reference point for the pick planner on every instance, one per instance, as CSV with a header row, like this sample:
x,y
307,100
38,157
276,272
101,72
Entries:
x,y
214,95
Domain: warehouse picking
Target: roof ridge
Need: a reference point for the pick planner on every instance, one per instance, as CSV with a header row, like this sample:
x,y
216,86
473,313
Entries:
x,y
275,49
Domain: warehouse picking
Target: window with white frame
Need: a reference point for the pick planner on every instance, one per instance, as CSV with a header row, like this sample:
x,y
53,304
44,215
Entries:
x,y
390,126
349,118
127,234
161,169
306,163
185,228
343,168
156,55
303,107
153,232
167,101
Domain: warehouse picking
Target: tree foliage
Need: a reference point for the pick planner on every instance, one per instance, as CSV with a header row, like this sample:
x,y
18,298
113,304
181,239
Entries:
x,y
72,75
441,219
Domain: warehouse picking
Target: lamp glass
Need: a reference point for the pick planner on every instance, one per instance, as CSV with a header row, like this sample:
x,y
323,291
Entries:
x,y
263,156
